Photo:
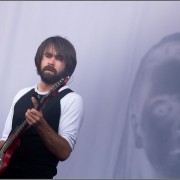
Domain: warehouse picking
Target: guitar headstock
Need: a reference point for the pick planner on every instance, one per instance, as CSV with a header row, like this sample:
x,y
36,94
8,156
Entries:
x,y
57,86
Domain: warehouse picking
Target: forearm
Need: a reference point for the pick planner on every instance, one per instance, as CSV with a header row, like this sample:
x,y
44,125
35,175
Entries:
x,y
53,141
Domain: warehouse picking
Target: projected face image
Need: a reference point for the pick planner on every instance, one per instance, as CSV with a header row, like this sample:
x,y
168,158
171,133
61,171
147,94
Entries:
x,y
160,120
161,124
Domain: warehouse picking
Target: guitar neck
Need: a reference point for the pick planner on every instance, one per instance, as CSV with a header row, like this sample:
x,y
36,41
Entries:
x,y
18,131
14,135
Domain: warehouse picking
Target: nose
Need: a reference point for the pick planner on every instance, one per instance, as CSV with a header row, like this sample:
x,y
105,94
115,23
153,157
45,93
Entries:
x,y
51,61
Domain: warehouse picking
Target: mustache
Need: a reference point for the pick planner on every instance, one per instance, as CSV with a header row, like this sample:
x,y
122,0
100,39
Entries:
x,y
50,68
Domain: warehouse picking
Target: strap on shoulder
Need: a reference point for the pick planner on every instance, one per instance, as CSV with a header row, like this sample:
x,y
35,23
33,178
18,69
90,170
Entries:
x,y
64,92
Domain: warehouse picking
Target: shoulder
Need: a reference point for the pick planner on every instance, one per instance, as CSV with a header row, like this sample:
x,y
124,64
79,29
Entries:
x,y
72,99
22,92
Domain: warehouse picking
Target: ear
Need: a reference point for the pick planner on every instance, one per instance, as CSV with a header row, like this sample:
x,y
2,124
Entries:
x,y
136,130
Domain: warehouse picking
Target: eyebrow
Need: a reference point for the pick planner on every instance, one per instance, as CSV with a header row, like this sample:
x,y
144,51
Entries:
x,y
47,53
57,56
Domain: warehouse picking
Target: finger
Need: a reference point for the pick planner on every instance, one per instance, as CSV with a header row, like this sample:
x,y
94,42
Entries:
x,y
32,115
34,101
29,119
35,112
30,122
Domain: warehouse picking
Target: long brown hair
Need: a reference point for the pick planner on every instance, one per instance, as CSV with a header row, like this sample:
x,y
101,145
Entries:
x,y
64,49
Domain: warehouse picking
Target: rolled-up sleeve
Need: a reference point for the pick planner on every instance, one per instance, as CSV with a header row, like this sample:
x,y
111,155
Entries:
x,y
72,115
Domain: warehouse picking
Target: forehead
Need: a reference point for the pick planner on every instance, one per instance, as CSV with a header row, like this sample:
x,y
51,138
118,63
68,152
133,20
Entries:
x,y
159,73
51,49
161,64
165,78
162,52
164,74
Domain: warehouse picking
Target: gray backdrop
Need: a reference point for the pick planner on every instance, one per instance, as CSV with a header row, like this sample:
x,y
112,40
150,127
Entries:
x,y
110,39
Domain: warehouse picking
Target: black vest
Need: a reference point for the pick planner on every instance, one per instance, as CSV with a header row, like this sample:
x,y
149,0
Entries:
x,y
32,156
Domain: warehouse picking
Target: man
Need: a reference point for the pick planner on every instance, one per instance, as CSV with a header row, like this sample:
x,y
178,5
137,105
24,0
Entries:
x,y
52,131
154,113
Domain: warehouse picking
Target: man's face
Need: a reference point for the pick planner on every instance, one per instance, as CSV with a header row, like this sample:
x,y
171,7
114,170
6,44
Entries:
x,y
52,66
160,120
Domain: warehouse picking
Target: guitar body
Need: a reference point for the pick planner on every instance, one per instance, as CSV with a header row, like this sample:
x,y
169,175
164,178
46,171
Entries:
x,y
6,156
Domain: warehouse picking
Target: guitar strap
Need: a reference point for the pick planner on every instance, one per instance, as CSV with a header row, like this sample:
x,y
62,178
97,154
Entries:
x,y
64,92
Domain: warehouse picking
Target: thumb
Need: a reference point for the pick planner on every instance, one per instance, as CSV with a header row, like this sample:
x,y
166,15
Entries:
x,y
34,101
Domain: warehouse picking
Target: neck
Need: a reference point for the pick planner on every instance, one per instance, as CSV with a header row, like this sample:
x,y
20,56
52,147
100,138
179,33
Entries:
x,y
43,87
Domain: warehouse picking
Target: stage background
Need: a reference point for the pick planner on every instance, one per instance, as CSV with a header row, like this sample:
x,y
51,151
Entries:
x,y
110,39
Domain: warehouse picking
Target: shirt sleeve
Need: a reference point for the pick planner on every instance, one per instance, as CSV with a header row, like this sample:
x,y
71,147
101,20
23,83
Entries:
x,y
72,115
8,123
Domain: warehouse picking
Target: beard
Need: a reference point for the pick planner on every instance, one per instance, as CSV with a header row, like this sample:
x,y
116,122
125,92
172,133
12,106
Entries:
x,y
50,78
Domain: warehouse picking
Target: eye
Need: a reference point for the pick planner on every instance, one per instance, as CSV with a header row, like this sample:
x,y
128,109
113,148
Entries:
x,y
162,108
48,55
60,57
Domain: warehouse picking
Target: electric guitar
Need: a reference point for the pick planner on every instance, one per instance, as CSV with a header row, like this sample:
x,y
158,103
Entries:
x,y
13,141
